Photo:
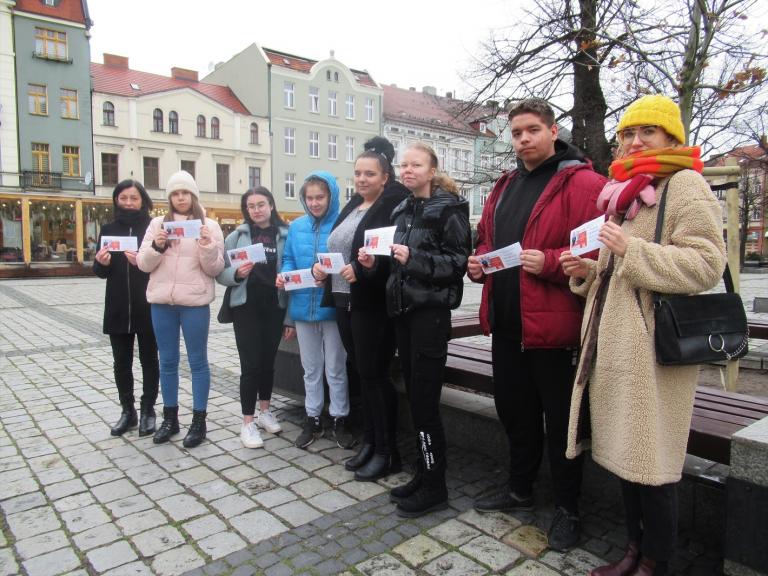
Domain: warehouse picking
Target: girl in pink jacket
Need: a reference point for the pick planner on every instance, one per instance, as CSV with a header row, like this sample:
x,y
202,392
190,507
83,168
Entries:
x,y
181,288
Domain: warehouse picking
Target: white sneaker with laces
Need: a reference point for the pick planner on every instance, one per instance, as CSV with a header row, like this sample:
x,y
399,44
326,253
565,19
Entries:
x,y
268,422
250,436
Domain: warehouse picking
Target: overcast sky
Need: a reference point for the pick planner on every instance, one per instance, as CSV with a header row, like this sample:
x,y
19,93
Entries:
x,y
405,42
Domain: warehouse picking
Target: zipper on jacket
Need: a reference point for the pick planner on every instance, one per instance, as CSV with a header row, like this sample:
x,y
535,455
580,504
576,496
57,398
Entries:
x,y
408,228
128,278
312,295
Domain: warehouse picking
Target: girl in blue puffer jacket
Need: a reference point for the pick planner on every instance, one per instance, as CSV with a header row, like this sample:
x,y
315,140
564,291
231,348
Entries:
x,y
320,345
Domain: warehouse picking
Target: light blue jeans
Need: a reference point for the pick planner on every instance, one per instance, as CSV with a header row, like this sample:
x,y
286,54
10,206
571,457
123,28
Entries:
x,y
168,320
320,347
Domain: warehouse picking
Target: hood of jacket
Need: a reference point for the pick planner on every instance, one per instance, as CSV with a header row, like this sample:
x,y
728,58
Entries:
x,y
565,155
333,205
434,205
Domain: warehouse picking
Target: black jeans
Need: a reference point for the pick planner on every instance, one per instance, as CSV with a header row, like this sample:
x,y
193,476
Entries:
x,y
122,353
258,326
422,343
528,387
344,322
651,515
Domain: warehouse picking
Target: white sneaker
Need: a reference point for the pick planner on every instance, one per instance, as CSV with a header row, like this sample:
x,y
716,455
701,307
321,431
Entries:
x,y
268,422
250,436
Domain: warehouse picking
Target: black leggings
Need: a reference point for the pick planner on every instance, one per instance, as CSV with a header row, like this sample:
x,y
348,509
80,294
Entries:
x,y
651,516
258,325
122,353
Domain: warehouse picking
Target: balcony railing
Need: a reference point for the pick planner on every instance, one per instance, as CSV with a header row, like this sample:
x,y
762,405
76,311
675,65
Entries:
x,y
37,179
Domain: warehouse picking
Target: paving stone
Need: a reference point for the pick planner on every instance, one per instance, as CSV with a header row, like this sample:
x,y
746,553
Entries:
x,y
157,540
53,563
221,462
529,539
41,544
494,523
54,475
111,556
256,485
162,489
268,463
33,522
146,474
296,513
114,490
454,532
384,565
102,476
233,505
141,521
258,525
329,567
17,488
130,505
454,564
490,552
287,476
178,465
176,561
90,462
203,527
132,569
531,568
181,507
419,550
194,476
213,490
22,503
84,518
310,487
278,570
272,498
362,490
221,544
335,475
74,502
64,489
311,462
331,501
97,536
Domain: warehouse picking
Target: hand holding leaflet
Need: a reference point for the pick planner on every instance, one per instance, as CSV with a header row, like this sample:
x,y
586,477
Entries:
x,y
253,253
379,240
330,262
584,237
297,279
120,243
183,229
507,257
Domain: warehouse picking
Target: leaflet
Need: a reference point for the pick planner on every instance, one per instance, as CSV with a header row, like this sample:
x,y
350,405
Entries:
x,y
183,229
507,257
120,243
253,253
331,262
584,237
378,241
297,279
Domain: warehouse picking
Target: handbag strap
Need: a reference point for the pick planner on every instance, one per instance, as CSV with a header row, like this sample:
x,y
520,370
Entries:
x,y
657,239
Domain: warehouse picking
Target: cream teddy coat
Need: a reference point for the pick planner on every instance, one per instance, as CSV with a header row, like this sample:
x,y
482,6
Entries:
x,y
641,411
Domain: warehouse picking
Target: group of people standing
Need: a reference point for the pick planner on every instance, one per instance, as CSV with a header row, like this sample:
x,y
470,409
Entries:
x,y
572,347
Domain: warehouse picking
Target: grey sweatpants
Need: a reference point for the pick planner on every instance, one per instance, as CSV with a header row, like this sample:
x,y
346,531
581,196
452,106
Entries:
x,y
320,347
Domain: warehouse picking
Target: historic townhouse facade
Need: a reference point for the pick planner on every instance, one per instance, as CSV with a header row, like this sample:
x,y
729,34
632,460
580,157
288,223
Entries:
x,y
321,113
9,133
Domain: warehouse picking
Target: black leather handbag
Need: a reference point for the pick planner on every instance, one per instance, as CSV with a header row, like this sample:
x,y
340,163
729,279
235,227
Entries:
x,y
702,328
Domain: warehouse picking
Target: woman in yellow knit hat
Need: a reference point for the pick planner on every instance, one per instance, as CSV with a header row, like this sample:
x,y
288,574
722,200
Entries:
x,y
640,412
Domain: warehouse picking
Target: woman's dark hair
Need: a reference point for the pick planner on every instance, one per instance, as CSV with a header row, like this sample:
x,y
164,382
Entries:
x,y
146,201
384,164
274,218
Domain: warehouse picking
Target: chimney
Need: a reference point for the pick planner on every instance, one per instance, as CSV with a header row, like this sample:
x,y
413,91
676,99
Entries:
x,y
115,61
183,74
449,95
492,104
429,90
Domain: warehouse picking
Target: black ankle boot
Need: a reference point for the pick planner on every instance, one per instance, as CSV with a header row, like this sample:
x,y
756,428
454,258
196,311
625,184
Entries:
x,y
399,492
126,421
147,421
361,458
377,467
169,426
196,433
430,496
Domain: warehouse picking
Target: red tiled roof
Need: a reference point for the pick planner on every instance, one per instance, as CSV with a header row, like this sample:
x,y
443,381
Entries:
x,y
114,80
304,65
409,105
751,152
71,10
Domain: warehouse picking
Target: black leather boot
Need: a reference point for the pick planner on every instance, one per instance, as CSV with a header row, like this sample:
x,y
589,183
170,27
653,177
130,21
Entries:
x,y
364,454
196,433
169,426
126,421
399,492
377,467
147,421
430,496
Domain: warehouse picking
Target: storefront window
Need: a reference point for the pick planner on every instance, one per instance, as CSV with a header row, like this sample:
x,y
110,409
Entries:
x,y
53,230
95,215
10,231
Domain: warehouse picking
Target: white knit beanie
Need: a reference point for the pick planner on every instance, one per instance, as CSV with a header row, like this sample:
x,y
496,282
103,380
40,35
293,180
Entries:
x,y
182,180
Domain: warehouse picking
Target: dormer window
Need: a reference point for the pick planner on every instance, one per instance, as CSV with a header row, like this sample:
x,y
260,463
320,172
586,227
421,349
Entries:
x,y
483,127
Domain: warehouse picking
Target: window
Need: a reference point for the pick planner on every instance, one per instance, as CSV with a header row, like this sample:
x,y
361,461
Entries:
x,y
50,44
396,157
215,128
314,144
314,99
109,169
254,177
328,75
336,77
331,103
350,107
369,109
222,178
201,126
188,166
41,158
151,172
173,122
70,156
442,157
349,189
288,94
485,161
108,114
254,133
38,99
483,127
350,145
289,141
455,160
331,147
68,103
466,160
157,120
290,185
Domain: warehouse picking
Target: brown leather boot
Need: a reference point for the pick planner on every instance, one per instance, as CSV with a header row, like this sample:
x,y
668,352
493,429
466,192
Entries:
x,y
647,567
623,567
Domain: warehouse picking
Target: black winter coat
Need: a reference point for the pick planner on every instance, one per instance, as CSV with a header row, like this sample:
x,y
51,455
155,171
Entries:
x,y
126,310
369,289
437,233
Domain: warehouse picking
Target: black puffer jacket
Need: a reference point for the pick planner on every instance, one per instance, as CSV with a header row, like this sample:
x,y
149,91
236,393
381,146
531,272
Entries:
x,y
368,291
126,310
436,231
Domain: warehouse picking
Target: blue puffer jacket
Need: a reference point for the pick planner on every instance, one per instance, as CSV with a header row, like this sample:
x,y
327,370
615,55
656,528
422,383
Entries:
x,y
306,237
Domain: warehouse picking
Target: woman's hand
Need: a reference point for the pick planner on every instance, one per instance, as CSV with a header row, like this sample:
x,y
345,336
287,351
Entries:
x,y
366,260
161,238
474,268
280,282
614,238
103,256
574,266
288,332
130,255
245,269
532,261
401,253
348,273
205,236
318,273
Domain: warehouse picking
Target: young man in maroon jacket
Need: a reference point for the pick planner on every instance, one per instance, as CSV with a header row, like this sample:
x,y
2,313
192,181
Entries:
x,y
534,317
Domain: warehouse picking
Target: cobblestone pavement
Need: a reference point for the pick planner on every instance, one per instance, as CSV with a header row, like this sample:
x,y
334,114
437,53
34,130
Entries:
x,y
76,500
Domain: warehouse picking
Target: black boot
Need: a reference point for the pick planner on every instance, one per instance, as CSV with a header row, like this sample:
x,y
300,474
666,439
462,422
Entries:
x,y
377,467
147,421
430,496
399,492
364,454
169,426
196,433
127,419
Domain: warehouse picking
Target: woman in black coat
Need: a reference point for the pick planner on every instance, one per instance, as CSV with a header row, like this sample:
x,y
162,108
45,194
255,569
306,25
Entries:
x,y
126,311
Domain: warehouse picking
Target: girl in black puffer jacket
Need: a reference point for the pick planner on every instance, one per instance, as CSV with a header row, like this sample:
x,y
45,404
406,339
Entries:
x,y
429,259
126,311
